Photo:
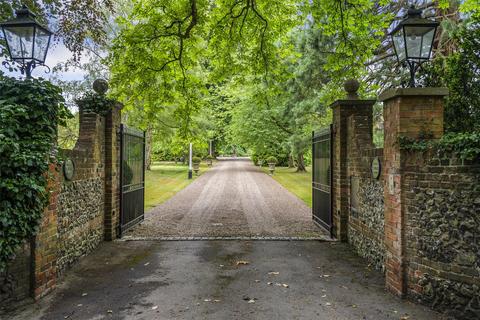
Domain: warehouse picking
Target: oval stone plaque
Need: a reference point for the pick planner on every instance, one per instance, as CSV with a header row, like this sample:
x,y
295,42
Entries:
x,y
376,168
68,169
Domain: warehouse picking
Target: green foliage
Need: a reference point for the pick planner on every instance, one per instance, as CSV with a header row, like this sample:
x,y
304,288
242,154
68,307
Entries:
x,y
272,159
209,157
464,145
96,103
30,111
196,160
127,173
460,73
76,20
68,134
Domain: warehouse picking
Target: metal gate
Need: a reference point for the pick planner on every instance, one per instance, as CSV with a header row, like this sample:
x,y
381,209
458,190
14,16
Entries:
x,y
322,177
132,173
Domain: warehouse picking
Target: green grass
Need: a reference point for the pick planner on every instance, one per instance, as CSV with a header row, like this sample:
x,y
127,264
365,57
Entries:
x,y
298,183
164,180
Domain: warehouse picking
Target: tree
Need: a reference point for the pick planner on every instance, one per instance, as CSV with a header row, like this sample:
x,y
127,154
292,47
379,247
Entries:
x,y
76,21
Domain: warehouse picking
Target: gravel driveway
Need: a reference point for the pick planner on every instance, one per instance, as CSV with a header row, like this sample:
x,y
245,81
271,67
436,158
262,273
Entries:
x,y
233,199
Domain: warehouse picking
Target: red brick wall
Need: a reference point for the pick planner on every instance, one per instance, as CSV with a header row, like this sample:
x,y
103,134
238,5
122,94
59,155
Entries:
x,y
366,206
342,109
83,211
442,223
413,113
45,245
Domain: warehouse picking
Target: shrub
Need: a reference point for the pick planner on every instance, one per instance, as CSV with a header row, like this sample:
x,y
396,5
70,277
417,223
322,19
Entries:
x,y
464,145
96,103
209,157
196,160
272,159
459,72
30,112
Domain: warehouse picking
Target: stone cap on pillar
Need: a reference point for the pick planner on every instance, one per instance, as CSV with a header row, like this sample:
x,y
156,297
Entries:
x,y
412,92
353,102
351,87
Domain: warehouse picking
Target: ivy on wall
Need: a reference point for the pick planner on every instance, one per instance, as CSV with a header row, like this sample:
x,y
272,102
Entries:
x,y
95,103
464,145
30,112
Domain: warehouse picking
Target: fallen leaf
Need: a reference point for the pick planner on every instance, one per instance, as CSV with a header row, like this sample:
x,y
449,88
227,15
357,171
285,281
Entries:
x,y
269,283
154,307
324,296
207,300
221,266
109,311
251,301
79,305
285,285
84,294
405,318
328,304
274,273
257,281
216,300
242,262
326,275
146,264
354,305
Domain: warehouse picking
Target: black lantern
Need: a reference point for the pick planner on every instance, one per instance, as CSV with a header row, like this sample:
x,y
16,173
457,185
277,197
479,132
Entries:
x,y
27,41
413,40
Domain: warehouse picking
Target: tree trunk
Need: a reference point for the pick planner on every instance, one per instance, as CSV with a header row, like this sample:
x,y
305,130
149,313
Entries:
x,y
291,162
148,148
301,163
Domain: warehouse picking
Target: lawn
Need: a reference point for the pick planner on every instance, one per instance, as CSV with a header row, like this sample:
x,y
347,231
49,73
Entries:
x,y
298,183
164,180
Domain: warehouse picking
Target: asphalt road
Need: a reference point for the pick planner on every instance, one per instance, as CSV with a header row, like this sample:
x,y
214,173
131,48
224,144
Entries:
x,y
148,280
234,198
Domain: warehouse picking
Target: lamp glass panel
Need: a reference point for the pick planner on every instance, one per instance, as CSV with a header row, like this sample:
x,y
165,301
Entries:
x,y
419,41
41,44
20,42
427,43
399,43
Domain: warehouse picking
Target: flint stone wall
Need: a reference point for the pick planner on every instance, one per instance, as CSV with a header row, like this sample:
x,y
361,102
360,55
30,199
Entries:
x,y
80,220
443,228
366,217
366,227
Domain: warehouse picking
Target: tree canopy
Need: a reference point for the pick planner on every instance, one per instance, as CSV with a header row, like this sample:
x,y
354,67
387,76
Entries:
x,y
250,74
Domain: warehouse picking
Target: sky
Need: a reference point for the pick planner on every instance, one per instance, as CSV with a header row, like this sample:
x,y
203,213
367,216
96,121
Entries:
x,y
56,54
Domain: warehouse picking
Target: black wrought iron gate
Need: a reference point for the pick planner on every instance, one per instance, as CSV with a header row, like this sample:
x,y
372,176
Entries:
x,y
322,177
132,173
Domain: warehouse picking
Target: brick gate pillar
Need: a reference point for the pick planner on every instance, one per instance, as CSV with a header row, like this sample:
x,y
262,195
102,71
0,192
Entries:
x,y
342,110
44,244
412,113
112,171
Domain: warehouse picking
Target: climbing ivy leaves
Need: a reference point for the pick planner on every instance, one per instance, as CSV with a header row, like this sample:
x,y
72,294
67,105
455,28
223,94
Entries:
x,y
29,113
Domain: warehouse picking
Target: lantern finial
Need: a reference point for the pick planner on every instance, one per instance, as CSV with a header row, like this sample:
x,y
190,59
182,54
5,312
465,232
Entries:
x,y
413,12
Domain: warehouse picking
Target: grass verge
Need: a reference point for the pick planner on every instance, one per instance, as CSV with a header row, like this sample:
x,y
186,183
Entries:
x,y
164,180
298,183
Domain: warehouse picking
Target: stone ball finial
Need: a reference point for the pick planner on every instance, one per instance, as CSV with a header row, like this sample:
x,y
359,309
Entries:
x,y
352,86
100,86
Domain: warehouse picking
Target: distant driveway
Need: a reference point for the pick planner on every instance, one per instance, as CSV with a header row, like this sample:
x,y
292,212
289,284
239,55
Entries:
x,y
234,198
